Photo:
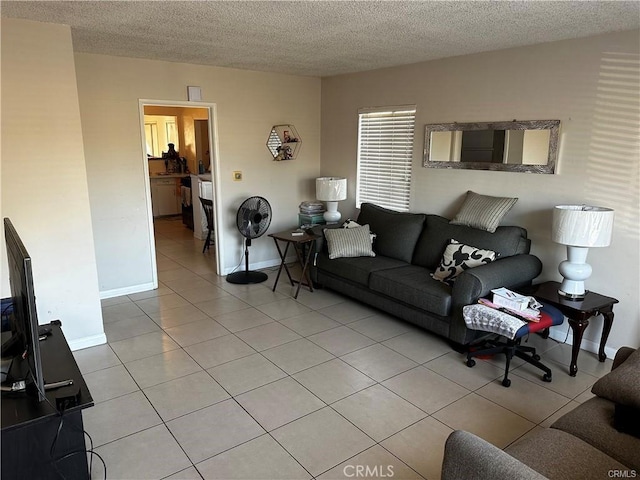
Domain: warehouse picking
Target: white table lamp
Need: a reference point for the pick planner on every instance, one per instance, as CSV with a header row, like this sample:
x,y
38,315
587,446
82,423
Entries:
x,y
331,190
579,227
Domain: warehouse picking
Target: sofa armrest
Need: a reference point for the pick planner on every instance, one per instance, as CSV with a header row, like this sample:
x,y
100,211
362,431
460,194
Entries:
x,y
469,456
621,355
511,272
320,245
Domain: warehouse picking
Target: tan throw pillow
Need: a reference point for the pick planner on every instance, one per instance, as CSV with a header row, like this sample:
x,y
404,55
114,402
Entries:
x,y
482,211
457,258
349,242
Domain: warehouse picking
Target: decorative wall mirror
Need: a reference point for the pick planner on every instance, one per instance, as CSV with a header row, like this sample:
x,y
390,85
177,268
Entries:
x,y
518,146
284,142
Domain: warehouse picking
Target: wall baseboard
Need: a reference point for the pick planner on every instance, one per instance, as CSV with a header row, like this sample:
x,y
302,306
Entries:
x,y
260,265
586,345
86,342
118,292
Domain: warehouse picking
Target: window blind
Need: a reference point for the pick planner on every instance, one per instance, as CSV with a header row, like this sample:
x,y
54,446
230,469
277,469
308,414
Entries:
x,y
385,149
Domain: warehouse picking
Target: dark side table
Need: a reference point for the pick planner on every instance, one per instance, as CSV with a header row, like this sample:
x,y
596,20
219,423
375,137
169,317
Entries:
x,y
578,313
300,242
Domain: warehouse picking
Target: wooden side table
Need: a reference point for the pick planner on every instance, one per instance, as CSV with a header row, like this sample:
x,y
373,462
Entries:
x,y
578,313
300,244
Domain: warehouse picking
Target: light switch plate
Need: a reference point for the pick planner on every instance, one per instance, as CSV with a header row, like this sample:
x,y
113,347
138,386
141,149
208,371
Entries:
x,y
237,176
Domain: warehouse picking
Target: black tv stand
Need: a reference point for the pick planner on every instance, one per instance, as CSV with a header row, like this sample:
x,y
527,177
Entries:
x,y
29,427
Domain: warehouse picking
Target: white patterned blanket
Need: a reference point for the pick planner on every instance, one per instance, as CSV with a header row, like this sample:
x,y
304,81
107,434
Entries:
x,y
481,317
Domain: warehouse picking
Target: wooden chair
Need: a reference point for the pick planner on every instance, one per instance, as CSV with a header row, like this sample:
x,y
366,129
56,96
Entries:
x,y
208,210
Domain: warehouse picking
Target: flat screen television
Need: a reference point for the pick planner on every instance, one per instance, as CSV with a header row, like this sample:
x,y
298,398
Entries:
x,y
24,342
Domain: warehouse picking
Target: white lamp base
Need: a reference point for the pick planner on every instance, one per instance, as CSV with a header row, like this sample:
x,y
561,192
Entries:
x,y
332,215
575,271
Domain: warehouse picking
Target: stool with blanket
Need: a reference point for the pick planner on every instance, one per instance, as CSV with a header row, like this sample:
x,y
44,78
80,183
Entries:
x,y
487,319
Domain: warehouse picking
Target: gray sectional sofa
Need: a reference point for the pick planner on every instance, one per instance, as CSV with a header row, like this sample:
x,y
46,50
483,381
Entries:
x,y
408,248
586,443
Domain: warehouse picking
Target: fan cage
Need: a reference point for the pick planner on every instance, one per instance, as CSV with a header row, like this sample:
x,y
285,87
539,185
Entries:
x,y
253,217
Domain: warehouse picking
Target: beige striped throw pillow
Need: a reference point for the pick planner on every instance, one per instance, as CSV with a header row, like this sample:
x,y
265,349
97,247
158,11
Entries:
x,y
349,242
482,211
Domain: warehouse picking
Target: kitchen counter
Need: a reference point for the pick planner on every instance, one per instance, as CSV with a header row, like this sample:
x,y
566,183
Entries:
x,y
166,193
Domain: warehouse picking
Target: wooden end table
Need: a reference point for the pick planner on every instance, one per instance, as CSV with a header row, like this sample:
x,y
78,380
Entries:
x,y
300,244
578,313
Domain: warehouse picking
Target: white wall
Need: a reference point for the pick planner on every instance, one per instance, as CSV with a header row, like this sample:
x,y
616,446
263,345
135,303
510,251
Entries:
x,y
590,84
44,183
248,104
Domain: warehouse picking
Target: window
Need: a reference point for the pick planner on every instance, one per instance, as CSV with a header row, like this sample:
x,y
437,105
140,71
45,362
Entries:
x,y
160,131
385,150
172,132
151,137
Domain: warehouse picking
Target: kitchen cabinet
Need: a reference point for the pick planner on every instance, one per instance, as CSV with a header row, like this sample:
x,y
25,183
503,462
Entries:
x,y
164,197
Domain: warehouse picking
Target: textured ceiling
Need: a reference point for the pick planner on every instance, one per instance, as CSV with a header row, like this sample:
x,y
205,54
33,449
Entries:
x,y
320,38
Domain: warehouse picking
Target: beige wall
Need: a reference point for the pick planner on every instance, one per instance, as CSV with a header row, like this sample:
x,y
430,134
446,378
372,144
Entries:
x,y
248,104
590,84
44,183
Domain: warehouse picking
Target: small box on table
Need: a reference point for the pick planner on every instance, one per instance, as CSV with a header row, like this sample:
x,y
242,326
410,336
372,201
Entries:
x,y
506,298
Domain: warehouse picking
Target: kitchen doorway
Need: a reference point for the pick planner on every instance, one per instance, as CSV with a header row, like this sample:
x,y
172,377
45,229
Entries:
x,y
175,181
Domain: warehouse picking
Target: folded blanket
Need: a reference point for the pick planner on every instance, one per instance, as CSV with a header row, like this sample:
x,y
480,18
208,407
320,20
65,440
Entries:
x,y
486,319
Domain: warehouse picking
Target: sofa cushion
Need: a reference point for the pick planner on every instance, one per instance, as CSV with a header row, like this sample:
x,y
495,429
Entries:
x,y
414,286
627,420
469,456
457,258
349,242
557,454
505,241
621,356
482,211
396,233
622,385
592,421
356,269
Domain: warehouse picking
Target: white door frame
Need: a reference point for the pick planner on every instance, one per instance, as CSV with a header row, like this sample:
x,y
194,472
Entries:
x,y
215,177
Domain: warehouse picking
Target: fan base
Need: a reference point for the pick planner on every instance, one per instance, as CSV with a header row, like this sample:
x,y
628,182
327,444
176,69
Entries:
x,y
247,277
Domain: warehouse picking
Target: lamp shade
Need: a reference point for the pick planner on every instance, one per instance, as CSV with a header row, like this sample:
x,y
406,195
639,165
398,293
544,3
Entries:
x,y
331,189
582,225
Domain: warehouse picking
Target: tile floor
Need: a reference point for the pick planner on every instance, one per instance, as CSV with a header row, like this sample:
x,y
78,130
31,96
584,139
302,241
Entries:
x,y
205,379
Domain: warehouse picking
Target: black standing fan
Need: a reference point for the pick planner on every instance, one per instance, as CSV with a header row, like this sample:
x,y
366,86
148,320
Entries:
x,y
253,219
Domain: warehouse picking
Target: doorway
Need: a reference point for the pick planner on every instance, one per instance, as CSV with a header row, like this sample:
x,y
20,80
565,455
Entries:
x,y
189,127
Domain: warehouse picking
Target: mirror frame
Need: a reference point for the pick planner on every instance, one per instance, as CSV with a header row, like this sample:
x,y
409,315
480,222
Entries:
x,y
552,125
